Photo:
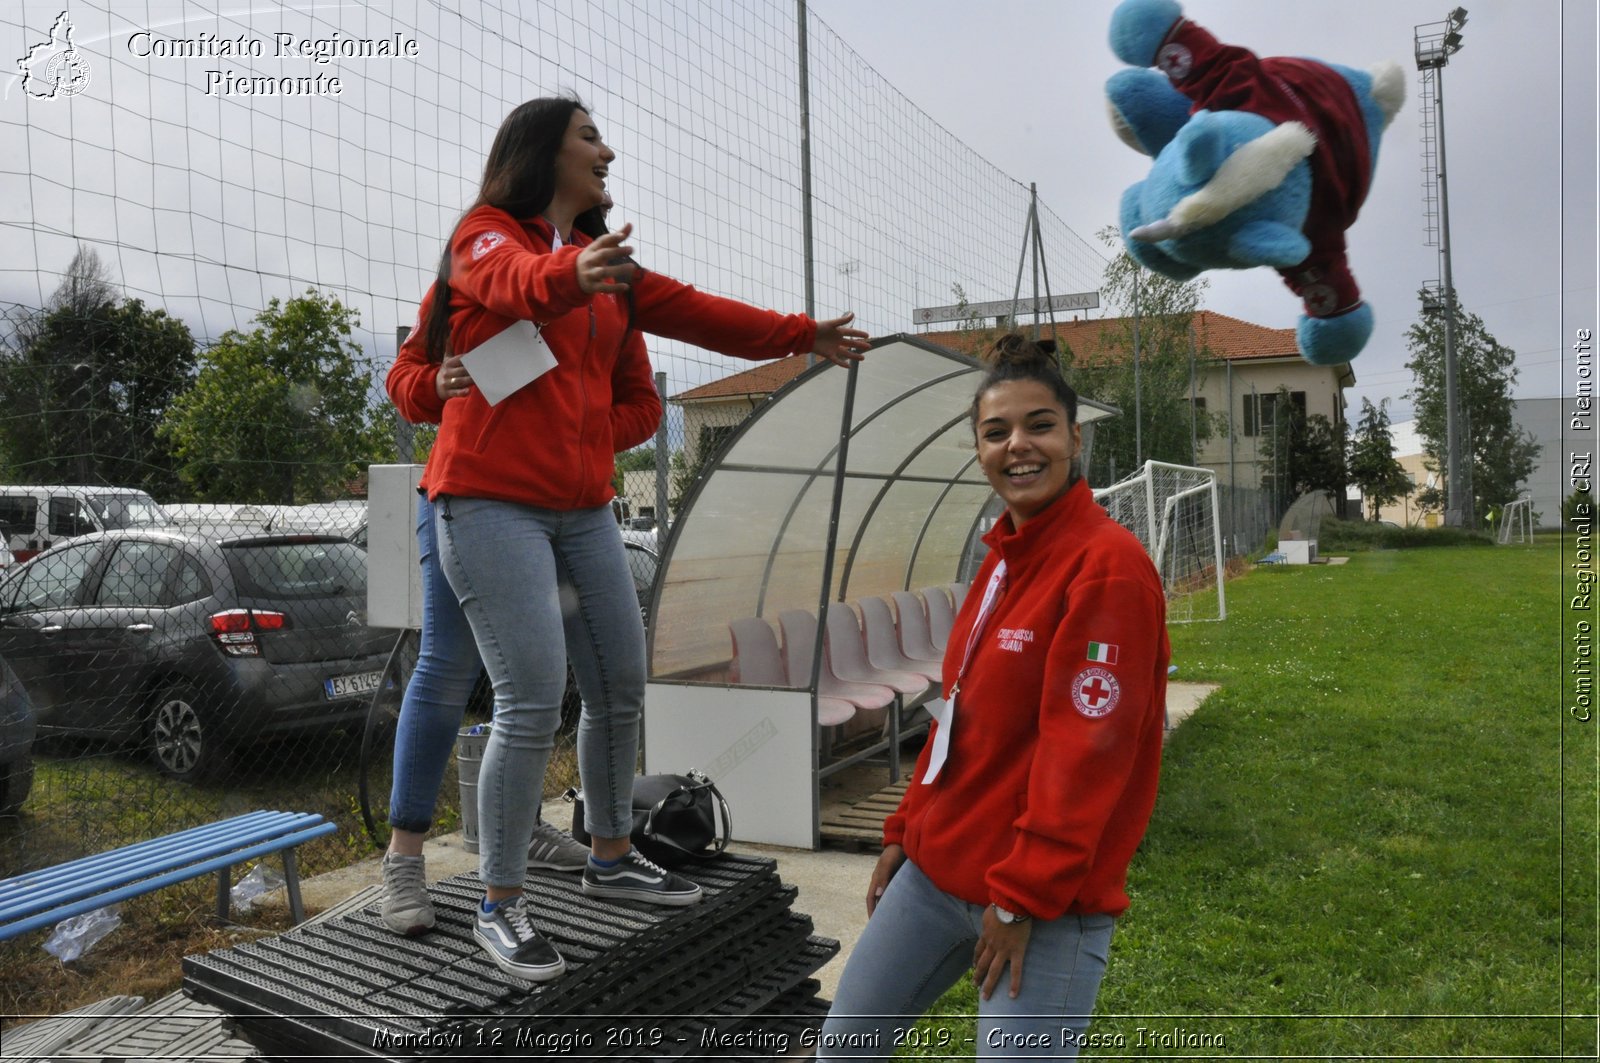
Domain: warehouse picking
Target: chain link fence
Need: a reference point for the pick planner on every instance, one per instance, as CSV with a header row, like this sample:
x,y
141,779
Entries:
x,y
202,294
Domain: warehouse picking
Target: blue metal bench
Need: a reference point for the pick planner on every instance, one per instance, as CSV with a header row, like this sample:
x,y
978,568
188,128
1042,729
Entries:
x,y
43,898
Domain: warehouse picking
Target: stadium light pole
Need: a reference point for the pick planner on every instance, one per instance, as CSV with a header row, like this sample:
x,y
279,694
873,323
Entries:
x,y
1436,42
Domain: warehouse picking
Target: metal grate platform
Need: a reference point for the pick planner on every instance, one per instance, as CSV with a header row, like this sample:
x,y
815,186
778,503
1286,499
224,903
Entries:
x,y
640,982
124,1028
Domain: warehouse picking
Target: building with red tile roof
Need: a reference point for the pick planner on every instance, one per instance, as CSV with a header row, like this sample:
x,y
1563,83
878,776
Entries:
x,y
1239,366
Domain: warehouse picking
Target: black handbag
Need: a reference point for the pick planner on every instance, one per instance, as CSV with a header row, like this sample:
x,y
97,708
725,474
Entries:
x,y
676,818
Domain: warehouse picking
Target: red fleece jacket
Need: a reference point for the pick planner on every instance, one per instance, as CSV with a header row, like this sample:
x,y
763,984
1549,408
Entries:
x,y
1225,77
1055,745
553,443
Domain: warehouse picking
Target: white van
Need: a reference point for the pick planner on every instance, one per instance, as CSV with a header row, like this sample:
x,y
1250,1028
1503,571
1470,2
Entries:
x,y
35,518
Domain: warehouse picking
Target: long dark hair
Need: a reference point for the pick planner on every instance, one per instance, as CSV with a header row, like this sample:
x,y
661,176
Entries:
x,y
1015,357
519,177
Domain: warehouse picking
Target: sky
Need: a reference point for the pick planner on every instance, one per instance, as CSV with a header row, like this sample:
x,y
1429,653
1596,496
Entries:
x,y
208,204
1029,97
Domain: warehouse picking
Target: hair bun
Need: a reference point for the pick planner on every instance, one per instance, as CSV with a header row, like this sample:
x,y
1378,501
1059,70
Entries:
x,y
1018,352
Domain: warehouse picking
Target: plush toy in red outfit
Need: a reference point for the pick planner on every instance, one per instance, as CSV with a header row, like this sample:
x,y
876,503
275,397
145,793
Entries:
x,y
1258,162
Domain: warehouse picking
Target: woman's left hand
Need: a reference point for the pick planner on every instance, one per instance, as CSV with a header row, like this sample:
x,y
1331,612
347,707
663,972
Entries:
x,y
999,945
838,344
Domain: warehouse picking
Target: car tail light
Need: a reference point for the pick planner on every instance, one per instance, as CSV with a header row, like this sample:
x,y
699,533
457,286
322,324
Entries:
x,y
235,629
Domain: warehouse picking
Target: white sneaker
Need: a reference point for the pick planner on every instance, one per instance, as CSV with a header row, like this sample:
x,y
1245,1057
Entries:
x,y
406,908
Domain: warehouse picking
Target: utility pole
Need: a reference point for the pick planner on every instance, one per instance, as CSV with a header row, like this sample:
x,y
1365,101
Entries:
x,y
1138,404
805,168
405,433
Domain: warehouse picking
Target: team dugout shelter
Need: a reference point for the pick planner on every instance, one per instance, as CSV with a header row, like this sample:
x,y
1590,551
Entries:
x,y
845,486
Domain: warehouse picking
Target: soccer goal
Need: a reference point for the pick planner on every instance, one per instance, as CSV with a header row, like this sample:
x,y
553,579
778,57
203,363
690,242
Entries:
x,y
1173,511
1516,522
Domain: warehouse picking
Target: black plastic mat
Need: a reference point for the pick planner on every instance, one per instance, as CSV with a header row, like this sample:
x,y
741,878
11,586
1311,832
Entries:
x,y
349,987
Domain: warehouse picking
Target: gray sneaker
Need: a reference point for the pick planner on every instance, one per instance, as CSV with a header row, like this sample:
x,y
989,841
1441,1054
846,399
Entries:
x,y
637,879
508,935
555,849
406,908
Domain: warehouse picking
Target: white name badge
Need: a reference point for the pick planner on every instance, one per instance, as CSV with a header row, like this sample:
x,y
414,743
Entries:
x,y
509,361
943,713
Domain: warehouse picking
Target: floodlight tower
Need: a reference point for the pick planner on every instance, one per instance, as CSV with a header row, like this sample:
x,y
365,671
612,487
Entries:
x,y
1436,42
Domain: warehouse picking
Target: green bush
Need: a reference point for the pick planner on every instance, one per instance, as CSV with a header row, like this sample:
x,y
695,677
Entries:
x,y
1345,535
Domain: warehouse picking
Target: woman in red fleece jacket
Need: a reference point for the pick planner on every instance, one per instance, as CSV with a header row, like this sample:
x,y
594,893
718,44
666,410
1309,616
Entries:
x,y
522,489
1009,852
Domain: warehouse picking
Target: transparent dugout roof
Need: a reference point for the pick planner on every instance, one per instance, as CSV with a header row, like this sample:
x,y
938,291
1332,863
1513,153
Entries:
x,y
863,481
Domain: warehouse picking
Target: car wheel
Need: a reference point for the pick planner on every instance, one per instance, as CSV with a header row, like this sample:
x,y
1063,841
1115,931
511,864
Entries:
x,y
181,742
16,779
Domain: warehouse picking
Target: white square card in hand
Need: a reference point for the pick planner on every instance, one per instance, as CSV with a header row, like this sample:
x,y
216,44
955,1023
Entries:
x,y
508,361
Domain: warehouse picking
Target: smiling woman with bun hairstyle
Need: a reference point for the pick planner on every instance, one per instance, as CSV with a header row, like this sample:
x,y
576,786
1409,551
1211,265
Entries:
x,y
1007,858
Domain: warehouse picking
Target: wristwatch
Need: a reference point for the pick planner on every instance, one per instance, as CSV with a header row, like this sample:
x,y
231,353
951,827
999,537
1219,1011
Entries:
x,y
1010,917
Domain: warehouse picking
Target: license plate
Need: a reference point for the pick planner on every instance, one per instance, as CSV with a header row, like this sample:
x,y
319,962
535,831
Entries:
x,y
345,686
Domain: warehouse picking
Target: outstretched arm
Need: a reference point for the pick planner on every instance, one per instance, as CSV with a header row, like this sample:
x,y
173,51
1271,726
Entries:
x,y
838,344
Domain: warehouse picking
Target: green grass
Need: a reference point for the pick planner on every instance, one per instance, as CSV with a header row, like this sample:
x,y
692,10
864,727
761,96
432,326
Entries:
x,y
1358,842
90,797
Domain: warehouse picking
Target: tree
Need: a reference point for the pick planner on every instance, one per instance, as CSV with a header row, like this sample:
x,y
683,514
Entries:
x,y
279,414
1499,455
386,430
1299,453
639,459
976,335
1162,312
87,285
1372,466
683,478
84,385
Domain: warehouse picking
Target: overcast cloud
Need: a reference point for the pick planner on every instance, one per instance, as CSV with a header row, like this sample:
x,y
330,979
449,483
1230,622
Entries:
x,y
209,202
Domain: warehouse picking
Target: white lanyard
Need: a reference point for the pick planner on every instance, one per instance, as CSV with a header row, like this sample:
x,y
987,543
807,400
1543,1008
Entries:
x,y
944,710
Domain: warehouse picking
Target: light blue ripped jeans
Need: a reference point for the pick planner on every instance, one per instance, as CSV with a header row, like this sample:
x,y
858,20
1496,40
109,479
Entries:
x,y
539,586
920,941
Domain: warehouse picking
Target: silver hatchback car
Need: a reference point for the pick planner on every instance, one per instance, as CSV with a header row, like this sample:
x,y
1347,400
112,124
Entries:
x,y
192,644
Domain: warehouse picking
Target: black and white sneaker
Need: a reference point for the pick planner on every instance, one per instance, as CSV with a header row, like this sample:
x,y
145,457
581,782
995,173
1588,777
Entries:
x,y
634,878
508,936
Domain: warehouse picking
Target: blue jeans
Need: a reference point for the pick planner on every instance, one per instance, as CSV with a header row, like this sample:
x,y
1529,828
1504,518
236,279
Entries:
x,y
539,586
436,696
919,942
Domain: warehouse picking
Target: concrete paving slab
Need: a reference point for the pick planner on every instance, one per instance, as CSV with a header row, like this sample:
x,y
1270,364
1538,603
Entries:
x,y
1184,698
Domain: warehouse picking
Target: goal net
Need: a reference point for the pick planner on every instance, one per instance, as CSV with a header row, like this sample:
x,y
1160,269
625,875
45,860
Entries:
x,y
1516,522
1173,511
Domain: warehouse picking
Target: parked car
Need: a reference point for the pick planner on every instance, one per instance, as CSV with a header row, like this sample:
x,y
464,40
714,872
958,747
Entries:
x,y
17,728
642,562
192,644
34,518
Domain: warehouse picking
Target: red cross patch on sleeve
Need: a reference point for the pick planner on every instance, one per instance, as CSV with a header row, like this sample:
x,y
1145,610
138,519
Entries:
x,y
486,243
1095,692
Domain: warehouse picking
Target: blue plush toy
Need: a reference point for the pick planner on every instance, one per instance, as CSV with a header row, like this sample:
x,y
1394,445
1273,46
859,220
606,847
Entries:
x,y
1257,162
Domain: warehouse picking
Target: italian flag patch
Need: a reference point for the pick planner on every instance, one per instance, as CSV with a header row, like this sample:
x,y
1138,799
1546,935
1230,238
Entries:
x,y
1102,653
